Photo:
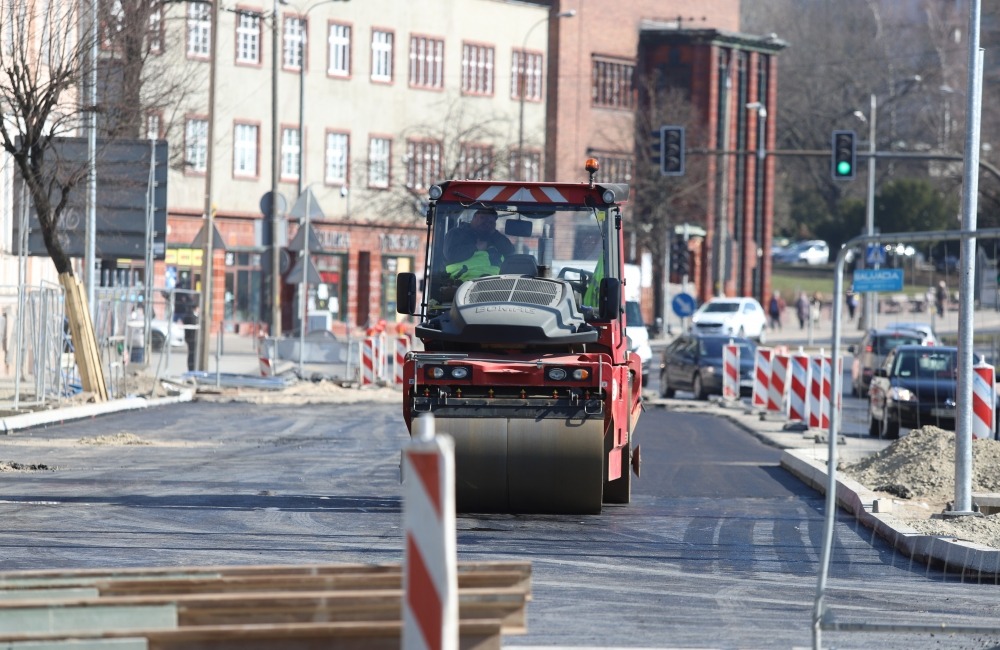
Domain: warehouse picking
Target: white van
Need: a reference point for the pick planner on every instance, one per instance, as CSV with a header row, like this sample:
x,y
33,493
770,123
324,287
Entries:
x,y
638,337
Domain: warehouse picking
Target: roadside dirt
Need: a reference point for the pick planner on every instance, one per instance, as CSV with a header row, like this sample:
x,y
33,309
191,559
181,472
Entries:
x,y
917,472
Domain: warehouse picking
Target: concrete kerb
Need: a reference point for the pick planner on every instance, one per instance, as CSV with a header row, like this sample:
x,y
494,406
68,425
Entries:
x,y
804,458
54,416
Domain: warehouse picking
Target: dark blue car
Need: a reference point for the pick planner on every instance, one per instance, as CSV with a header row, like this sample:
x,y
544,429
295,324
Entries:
x,y
693,362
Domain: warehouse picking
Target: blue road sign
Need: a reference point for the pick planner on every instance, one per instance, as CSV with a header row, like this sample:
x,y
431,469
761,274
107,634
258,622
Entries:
x,y
878,280
875,255
683,304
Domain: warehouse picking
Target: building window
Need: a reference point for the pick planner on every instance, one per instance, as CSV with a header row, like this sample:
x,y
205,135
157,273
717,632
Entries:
x,y
379,151
337,149
245,140
339,42
615,167
612,84
476,161
154,128
526,68
294,39
291,153
530,163
196,144
381,55
477,69
199,30
248,38
426,62
155,35
423,163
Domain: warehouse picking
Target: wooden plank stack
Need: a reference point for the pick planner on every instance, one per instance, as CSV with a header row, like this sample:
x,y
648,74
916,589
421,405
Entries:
x,y
294,607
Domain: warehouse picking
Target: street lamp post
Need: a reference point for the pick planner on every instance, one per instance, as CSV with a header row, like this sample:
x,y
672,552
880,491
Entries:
x,y
275,252
205,319
569,13
759,180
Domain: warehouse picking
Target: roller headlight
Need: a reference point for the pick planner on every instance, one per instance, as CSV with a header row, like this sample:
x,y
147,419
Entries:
x,y
580,374
608,196
459,372
435,372
435,192
557,374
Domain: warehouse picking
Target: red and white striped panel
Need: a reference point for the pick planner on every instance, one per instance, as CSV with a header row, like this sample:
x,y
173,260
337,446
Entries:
x,y
522,194
430,566
761,377
402,348
366,352
983,401
798,389
816,391
731,372
777,393
826,402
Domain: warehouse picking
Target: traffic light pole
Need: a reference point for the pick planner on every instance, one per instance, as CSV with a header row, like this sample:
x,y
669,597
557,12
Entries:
x,y
867,319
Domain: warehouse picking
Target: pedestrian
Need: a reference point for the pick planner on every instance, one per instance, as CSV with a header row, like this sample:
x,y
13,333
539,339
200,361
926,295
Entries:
x,y
852,304
940,296
802,309
191,333
775,308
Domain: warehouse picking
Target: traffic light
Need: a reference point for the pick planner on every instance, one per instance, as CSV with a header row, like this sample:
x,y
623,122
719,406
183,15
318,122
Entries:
x,y
671,150
680,257
844,155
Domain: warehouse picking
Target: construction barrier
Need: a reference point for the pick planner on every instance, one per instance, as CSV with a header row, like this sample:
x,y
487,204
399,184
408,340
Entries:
x,y
399,359
730,372
761,378
818,418
430,585
983,401
367,352
798,389
777,394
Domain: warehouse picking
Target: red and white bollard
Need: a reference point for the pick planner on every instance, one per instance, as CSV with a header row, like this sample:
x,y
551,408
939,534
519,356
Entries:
x,y
730,372
983,401
399,360
777,392
761,378
818,415
430,566
798,390
366,352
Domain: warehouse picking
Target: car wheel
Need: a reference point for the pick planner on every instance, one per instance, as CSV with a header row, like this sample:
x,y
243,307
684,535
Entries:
x,y
697,388
665,389
645,380
742,333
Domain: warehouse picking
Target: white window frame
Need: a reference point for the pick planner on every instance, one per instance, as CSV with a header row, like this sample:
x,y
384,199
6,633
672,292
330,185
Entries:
x,y
293,42
423,163
382,42
338,148
196,144
291,153
338,50
476,161
530,65
531,165
477,68
426,62
199,30
379,158
246,139
248,34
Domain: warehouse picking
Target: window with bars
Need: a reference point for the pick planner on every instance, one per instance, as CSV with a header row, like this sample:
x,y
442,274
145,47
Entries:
x,y
248,38
294,40
199,30
379,152
339,46
475,161
426,62
526,68
381,55
529,163
615,167
477,69
291,154
423,163
337,151
196,144
245,141
612,84
155,35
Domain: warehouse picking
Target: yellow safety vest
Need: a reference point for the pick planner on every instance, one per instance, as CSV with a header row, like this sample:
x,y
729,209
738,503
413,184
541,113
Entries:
x,y
592,294
475,267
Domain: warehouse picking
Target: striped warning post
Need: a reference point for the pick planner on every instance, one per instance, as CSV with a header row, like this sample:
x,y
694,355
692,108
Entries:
x,y
430,573
777,392
265,358
825,402
367,355
798,387
730,372
402,349
983,401
816,391
761,377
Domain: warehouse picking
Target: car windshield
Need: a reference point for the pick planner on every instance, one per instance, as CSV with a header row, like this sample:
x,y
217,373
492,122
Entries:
x,y
633,315
713,348
885,344
936,363
720,308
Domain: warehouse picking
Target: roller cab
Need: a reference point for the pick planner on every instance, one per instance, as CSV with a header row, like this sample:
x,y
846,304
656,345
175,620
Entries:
x,y
525,362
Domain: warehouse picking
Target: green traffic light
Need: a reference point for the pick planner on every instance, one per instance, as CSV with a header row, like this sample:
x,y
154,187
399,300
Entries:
x,y
844,168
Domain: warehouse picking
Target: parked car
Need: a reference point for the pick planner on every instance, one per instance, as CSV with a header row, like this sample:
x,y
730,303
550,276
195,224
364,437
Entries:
x,y
812,252
915,387
872,351
693,362
638,337
742,317
160,331
924,329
